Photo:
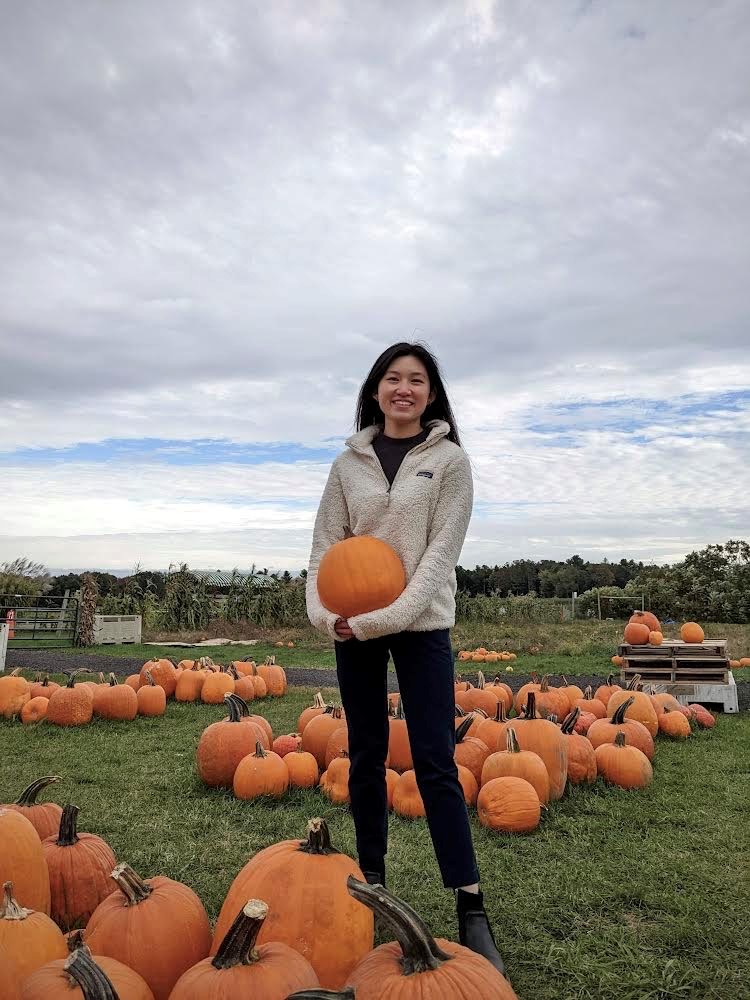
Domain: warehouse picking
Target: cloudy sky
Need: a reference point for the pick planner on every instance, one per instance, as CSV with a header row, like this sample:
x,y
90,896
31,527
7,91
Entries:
x,y
214,216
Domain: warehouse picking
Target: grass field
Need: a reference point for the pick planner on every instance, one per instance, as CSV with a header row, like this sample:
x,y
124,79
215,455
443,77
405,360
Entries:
x,y
628,896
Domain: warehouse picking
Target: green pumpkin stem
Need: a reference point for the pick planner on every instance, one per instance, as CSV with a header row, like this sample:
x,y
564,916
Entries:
x,y
11,909
618,716
238,945
420,950
68,834
29,794
94,982
318,838
569,722
130,884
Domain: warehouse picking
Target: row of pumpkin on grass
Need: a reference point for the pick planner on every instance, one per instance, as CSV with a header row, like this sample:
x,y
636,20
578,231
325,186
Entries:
x,y
144,693
292,920
508,768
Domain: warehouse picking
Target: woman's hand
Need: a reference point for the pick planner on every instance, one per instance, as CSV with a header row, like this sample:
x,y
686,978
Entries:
x,y
341,628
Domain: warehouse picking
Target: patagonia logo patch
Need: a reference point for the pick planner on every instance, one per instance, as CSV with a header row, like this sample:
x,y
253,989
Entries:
x,y
427,475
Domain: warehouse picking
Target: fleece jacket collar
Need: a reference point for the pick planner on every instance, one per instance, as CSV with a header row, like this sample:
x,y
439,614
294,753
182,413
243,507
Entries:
x,y
362,440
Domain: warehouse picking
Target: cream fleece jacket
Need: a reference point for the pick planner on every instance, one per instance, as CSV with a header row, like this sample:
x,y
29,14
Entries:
x,y
424,515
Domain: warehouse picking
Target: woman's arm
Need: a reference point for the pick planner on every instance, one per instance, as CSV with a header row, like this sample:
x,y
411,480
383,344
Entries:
x,y
447,533
330,526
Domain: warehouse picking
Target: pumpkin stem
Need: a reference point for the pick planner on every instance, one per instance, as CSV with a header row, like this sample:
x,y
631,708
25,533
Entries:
x,y
564,680
238,946
318,838
94,982
588,693
480,680
321,994
620,739
259,751
610,680
11,908
460,713
569,722
529,711
75,940
348,533
150,678
29,794
420,950
112,680
635,680
618,716
68,834
130,884
463,728
398,711
237,707
544,686
318,701
511,741
72,680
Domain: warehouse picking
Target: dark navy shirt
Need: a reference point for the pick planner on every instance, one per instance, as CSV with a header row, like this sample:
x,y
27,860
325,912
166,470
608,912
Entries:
x,y
391,451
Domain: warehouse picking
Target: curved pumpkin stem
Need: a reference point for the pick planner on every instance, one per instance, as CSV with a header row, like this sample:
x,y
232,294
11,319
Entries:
x,y
11,909
29,794
238,945
464,728
610,680
94,982
569,722
130,884
544,686
321,994
318,838
68,834
420,950
634,682
480,680
112,680
236,707
75,940
459,713
511,741
618,716
588,693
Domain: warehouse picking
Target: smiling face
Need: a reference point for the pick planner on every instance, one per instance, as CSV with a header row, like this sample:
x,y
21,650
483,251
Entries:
x,y
403,395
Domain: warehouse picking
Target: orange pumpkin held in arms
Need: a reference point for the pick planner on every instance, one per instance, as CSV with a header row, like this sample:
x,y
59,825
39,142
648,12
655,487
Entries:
x,y
359,574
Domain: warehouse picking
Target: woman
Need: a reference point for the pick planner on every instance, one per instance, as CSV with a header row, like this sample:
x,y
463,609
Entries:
x,y
405,479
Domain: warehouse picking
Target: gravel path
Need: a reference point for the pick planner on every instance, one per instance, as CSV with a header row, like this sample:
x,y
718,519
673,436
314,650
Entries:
x,y
49,661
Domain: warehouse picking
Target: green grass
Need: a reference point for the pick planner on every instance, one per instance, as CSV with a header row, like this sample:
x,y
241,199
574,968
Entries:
x,y
628,896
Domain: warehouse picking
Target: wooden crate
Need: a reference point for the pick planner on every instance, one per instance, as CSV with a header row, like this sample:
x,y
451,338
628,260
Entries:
x,y
691,662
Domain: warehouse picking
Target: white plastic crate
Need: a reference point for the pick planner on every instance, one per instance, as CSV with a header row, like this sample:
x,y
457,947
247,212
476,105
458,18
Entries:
x,y
117,628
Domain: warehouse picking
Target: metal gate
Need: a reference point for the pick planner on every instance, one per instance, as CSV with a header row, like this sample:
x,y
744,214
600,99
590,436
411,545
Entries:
x,y
50,620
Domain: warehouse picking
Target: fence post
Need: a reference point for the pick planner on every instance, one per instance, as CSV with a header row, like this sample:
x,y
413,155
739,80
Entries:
x,y
63,609
599,603
3,646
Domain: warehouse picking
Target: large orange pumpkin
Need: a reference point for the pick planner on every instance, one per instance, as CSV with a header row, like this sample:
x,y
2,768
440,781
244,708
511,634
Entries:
x,y
30,936
419,967
641,708
163,672
15,691
606,730
636,633
691,632
544,738
304,884
648,619
156,926
623,765
359,574
519,764
244,968
22,861
223,744
72,705
83,975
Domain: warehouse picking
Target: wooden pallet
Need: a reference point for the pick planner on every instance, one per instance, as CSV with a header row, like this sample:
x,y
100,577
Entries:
x,y
674,661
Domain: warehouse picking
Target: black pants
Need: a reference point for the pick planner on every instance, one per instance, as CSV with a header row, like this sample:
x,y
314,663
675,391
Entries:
x,y
424,667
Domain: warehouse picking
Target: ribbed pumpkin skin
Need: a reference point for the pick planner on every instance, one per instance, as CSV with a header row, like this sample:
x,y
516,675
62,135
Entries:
x,y
544,738
189,685
275,679
604,731
10,978
79,876
215,686
152,700
336,786
624,766
163,673
675,725
337,741
160,937
636,634
309,907
358,575
509,804
469,785
279,971
220,749
316,735
380,975
116,703
51,982
407,799
526,764
691,632
641,710
399,747
646,618
22,861
303,769
32,941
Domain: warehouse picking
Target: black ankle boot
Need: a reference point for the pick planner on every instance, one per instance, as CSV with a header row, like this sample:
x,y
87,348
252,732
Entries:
x,y
374,878
474,929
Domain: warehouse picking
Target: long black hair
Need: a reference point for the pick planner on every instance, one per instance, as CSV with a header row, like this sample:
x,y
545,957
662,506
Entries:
x,y
368,411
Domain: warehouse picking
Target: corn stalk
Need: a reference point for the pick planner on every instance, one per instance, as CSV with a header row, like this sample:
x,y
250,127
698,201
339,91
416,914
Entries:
x,y
87,610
